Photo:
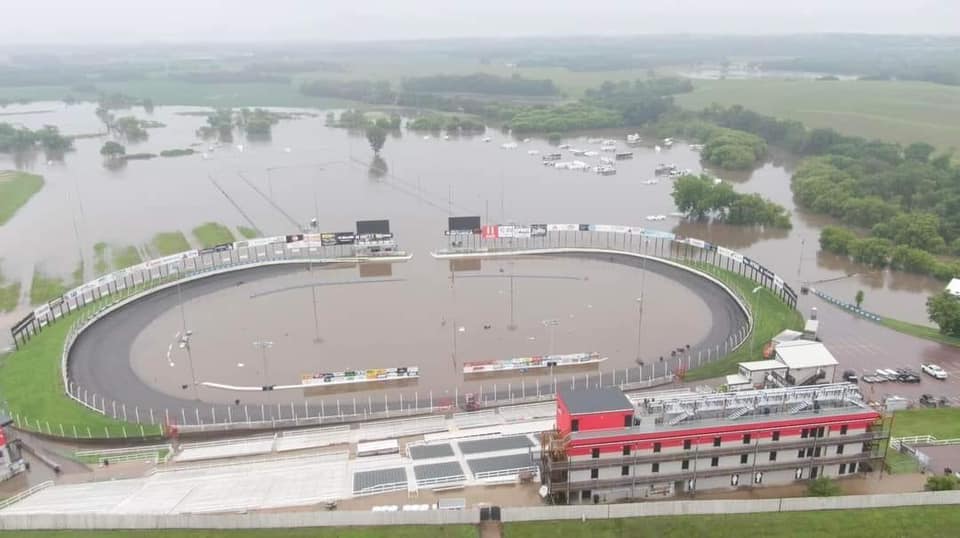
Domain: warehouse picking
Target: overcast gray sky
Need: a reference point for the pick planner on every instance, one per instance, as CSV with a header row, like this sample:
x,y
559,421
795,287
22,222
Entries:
x,y
132,21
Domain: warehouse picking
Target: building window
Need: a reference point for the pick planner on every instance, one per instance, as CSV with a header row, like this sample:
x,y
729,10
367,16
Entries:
x,y
627,421
626,450
743,458
594,473
714,461
852,468
684,465
773,456
839,449
816,452
575,426
585,495
655,468
821,431
843,468
800,453
746,438
595,453
656,447
776,436
716,441
804,433
625,470
843,429
686,444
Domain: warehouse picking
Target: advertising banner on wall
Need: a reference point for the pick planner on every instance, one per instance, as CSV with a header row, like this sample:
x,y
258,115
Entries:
x,y
538,230
373,238
328,239
224,247
586,227
346,238
489,232
293,238
463,224
725,252
365,227
563,227
507,230
695,242
523,232
657,234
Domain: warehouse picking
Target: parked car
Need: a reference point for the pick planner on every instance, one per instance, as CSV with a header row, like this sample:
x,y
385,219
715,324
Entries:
x,y
871,378
850,376
907,376
933,370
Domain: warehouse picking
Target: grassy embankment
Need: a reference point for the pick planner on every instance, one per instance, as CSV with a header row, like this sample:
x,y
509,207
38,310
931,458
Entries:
x,y
770,317
167,243
16,189
33,390
211,234
897,111
920,331
248,232
878,523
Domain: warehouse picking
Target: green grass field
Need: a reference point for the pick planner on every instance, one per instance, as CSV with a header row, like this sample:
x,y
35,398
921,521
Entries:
x,y
211,234
942,423
167,243
891,110
918,521
9,294
45,287
399,531
16,189
100,263
770,317
248,232
920,331
125,257
33,389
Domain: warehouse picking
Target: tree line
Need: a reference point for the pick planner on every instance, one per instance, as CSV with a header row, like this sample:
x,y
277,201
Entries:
x,y
481,83
701,197
15,138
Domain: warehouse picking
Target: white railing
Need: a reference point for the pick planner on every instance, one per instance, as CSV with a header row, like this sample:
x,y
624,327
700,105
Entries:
x,y
24,494
897,443
381,488
501,473
427,483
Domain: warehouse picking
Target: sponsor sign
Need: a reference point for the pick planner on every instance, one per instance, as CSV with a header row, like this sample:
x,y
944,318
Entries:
x,y
362,238
461,224
346,238
696,242
586,227
328,239
725,252
538,230
563,227
218,248
293,238
490,232
657,234
365,227
506,230
523,232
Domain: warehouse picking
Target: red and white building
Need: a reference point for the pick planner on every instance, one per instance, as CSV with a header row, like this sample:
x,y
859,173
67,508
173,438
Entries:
x,y
608,447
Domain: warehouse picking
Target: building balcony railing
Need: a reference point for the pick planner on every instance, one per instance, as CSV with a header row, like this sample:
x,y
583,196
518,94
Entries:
x,y
561,484
710,451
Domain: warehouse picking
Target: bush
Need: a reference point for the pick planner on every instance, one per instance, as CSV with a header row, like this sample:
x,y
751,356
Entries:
x,y
823,486
946,482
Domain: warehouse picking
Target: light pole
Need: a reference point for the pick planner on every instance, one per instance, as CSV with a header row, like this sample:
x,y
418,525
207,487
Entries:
x,y
639,326
185,341
264,345
551,325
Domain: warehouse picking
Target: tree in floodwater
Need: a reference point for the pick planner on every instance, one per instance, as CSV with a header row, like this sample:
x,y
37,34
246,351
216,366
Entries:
x,y
377,136
859,298
944,310
113,150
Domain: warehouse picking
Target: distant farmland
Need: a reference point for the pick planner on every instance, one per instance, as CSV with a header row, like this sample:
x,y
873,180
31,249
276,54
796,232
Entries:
x,y
898,111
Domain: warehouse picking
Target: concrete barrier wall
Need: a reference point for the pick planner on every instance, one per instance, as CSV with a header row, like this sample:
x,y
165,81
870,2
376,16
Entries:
x,y
469,516
237,521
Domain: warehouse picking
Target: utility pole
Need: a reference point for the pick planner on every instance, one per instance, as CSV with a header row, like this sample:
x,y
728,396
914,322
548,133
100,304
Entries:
x,y
264,345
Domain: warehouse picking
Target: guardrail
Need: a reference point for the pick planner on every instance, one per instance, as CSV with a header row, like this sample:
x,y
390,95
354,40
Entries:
x,y
24,494
852,308
897,443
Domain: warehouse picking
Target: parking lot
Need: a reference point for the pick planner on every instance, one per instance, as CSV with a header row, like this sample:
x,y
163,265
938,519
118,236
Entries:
x,y
864,346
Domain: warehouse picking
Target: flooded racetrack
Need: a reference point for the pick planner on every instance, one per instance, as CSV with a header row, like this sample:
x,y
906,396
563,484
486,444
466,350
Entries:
x,y
418,313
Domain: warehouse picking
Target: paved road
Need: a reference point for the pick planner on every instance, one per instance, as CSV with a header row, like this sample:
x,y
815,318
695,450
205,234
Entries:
x,y
100,358
864,346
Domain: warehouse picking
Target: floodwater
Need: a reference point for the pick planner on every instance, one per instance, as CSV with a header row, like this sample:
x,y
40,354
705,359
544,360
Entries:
x,y
308,170
416,316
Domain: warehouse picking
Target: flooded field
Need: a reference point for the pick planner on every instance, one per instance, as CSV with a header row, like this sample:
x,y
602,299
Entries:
x,y
308,170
